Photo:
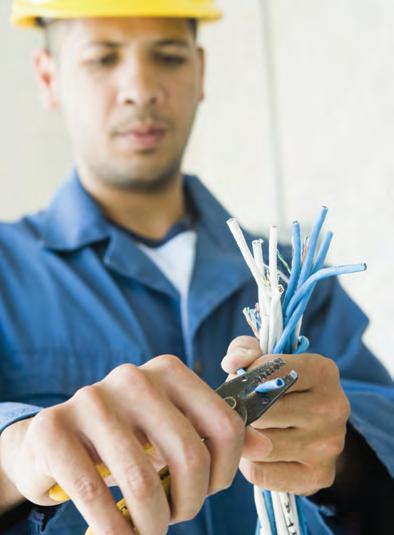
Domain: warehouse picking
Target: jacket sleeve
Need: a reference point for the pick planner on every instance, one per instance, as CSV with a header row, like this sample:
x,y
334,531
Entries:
x,y
335,326
10,413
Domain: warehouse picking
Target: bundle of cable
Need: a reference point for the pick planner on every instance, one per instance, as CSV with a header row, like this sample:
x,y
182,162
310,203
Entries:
x,y
276,321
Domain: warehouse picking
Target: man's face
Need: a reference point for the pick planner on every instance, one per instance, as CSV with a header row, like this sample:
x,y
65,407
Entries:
x,y
128,89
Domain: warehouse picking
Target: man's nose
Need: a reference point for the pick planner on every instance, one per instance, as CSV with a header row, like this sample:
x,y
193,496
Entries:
x,y
139,85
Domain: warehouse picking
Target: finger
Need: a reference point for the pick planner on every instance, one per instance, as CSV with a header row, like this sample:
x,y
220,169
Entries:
x,y
20,465
291,477
73,469
257,445
286,445
241,353
294,409
310,369
130,467
244,342
175,437
210,416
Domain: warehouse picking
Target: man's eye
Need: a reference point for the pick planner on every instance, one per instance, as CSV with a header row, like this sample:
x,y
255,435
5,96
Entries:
x,y
105,61
171,59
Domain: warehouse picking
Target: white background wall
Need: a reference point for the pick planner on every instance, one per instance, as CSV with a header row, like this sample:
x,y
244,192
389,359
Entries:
x,y
299,113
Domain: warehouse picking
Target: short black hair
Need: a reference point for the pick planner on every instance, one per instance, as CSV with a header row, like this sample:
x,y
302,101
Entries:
x,y
47,27
194,26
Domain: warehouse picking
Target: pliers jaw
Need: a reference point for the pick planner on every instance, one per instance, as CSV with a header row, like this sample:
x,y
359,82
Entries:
x,y
240,393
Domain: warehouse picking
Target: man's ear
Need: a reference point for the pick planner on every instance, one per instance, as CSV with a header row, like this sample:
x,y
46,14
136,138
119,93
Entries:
x,y
45,69
201,56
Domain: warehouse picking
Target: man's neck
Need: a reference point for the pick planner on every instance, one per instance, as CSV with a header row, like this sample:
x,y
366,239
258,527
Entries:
x,y
148,214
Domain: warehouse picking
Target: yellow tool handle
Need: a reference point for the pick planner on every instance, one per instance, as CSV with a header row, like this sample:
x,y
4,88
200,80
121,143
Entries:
x,y
57,494
165,478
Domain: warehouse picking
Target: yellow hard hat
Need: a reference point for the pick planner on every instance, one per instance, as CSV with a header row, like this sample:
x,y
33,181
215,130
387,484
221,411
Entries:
x,y
27,12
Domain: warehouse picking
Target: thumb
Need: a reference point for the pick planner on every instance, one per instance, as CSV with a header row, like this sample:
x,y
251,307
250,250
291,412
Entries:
x,y
242,352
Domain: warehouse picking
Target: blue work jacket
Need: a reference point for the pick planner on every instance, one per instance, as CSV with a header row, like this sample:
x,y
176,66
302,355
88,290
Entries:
x,y
78,297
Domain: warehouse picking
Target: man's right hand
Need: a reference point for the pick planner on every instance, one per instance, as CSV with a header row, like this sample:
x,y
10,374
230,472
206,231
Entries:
x,y
162,401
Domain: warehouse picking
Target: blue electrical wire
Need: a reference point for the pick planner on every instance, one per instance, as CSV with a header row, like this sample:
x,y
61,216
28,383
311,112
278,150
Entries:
x,y
319,263
304,291
295,263
310,252
269,386
305,274
291,325
304,296
320,259
322,254
270,510
303,345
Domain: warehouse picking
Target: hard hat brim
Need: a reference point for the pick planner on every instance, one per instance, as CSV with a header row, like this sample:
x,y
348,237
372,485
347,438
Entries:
x,y
30,17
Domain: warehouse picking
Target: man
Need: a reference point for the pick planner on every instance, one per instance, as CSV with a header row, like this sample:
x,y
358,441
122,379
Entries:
x,y
131,260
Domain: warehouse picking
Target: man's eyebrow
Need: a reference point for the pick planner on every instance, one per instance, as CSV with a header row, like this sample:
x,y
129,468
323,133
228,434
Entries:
x,y
107,44
161,42
173,42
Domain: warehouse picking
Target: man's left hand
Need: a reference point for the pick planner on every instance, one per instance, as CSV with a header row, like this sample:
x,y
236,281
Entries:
x,y
294,447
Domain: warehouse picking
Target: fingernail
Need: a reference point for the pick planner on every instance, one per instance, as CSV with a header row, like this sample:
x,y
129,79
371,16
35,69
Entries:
x,y
228,366
240,352
269,448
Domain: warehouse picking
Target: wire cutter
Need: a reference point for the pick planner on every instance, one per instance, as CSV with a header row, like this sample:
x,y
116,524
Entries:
x,y
250,394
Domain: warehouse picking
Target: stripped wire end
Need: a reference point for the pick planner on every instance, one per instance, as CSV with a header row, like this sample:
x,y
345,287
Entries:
x,y
252,317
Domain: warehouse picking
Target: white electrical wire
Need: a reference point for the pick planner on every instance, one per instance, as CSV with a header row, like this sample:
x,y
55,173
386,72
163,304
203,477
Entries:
x,y
288,504
263,296
267,323
264,334
263,292
280,522
275,320
247,255
265,526
271,316
257,246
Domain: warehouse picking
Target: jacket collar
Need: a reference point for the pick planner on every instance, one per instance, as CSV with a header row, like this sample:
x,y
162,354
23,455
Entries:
x,y
73,219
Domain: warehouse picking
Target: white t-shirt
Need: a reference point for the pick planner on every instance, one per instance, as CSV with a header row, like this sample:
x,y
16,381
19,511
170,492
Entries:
x,y
175,259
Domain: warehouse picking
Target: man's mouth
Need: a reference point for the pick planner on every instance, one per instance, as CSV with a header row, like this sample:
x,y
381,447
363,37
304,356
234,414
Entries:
x,y
143,136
